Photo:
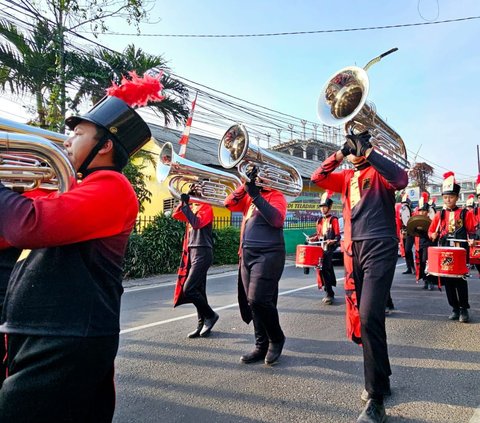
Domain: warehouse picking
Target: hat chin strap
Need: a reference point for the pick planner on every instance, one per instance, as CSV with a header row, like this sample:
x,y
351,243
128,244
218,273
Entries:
x,y
83,168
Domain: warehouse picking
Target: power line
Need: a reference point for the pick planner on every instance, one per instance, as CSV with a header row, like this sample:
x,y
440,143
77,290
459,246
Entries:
x,y
276,34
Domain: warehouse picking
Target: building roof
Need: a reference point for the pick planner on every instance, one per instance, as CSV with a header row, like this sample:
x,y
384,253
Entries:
x,y
204,150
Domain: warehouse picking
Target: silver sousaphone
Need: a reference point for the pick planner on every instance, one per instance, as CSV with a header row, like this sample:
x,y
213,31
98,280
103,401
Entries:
x,y
235,149
343,101
211,186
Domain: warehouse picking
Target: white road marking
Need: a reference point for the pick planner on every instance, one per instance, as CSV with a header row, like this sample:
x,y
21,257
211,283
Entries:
x,y
188,316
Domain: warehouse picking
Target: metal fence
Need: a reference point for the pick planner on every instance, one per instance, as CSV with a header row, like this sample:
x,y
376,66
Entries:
x,y
235,221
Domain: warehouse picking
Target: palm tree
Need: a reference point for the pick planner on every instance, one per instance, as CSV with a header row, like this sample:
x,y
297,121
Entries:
x,y
27,64
105,66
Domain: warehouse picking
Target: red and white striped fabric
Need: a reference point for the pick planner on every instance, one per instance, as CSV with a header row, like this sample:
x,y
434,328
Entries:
x,y
186,133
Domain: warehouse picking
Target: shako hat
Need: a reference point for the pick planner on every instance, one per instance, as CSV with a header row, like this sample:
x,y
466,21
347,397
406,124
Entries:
x,y
470,201
449,186
478,185
325,199
423,202
115,112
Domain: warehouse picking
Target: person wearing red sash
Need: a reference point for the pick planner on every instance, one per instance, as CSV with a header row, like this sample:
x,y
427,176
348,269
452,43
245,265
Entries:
x,y
368,197
197,258
453,222
328,231
61,314
262,259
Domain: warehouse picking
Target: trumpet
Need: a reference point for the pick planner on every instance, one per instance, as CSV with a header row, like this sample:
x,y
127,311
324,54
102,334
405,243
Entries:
x,y
343,101
30,161
236,150
210,185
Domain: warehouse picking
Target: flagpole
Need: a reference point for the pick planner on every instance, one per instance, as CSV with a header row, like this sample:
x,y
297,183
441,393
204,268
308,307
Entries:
x,y
186,132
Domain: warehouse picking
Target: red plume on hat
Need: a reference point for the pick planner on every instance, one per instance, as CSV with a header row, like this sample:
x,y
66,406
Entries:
x,y
325,199
137,91
448,174
423,200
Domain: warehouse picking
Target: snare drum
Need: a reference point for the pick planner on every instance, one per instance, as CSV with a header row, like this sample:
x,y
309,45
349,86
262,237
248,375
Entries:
x,y
450,262
309,256
475,254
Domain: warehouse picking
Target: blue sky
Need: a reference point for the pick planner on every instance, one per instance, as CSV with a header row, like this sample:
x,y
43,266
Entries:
x,y
427,91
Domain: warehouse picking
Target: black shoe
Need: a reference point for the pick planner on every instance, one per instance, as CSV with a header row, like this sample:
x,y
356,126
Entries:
x,y
455,315
430,287
464,317
256,355
374,412
274,352
328,300
366,396
208,325
196,332
425,285
407,272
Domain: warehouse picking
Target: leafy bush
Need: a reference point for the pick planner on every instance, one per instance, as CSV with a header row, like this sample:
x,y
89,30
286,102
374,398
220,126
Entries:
x,y
156,250
226,242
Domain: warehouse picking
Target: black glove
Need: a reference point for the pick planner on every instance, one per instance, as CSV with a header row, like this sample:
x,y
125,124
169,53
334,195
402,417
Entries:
x,y
252,173
252,189
185,198
359,143
346,149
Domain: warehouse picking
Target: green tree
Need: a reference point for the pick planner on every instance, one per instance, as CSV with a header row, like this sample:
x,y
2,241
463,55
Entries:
x,y
105,66
27,64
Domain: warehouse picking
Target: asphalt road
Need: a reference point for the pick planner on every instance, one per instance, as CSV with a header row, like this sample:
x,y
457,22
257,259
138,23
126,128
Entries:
x,y
161,376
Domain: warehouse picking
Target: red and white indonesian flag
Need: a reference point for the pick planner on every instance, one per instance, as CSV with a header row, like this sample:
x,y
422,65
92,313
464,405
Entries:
x,y
186,132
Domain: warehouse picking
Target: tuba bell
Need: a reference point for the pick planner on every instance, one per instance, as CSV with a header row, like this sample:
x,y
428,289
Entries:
x,y
343,101
29,160
236,150
212,186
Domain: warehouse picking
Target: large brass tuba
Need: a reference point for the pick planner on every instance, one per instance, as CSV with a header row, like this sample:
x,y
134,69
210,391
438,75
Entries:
x,y
212,186
29,161
236,150
343,101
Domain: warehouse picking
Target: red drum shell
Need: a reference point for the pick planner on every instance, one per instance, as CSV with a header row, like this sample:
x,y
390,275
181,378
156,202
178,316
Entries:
x,y
475,254
450,262
309,256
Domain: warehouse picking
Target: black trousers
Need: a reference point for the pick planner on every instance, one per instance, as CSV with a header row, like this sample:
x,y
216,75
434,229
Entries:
x,y
409,242
373,269
194,289
261,271
328,273
59,379
457,292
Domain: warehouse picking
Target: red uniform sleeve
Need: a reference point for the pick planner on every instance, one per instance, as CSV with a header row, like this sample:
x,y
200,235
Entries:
x,y
178,214
434,224
324,176
237,200
336,228
102,205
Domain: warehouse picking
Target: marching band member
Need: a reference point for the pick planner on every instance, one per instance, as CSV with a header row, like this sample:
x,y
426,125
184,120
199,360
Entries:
x,y
197,257
423,241
368,197
328,230
453,222
262,258
62,306
408,240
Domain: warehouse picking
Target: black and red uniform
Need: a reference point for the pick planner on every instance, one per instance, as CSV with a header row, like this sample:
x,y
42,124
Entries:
x,y
327,228
456,223
197,256
262,259
62,306
370,239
